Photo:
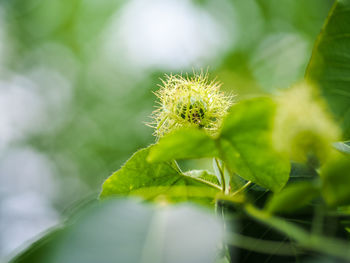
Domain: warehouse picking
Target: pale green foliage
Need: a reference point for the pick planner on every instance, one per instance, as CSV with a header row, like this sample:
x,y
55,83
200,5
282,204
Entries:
x,y
303,127
189,102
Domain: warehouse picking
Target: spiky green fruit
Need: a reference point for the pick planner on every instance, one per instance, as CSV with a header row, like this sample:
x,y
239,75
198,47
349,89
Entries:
x,y
189,102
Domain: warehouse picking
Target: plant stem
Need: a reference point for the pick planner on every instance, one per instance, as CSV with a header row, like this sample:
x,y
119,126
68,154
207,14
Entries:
x,y
177,166
305,240
242,188
222,175
262,246
219,209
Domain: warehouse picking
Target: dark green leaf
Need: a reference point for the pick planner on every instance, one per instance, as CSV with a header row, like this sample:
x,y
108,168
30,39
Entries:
x,y
336,181
183,144
293,197
302,170
246,147
126,231
159,180
330,63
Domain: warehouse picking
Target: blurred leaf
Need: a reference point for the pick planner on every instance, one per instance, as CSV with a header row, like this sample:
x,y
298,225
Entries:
x,y
246,144
158,180
336,181
268,61
292,198
329,65
183,144
126,231
347,229
302,170
342,147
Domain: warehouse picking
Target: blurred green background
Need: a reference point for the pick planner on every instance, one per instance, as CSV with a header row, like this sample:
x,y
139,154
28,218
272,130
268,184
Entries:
x,y
76,82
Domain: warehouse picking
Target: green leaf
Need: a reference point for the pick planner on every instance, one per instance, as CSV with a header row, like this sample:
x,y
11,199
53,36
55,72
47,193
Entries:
x,y
120,230
329,66
293,197
336,181
161,181
183,144
246,147
204,175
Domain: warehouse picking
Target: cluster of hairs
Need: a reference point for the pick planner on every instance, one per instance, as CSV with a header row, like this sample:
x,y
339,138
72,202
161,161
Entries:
x,y
189,102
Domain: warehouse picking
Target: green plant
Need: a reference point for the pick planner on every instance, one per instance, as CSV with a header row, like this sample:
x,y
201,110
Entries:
x,y
280,161
254,145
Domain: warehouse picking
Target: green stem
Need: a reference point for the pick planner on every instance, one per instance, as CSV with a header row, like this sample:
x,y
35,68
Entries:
x,y
242,188
305,240
177,166
219,208
317,222
222,175
262,246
